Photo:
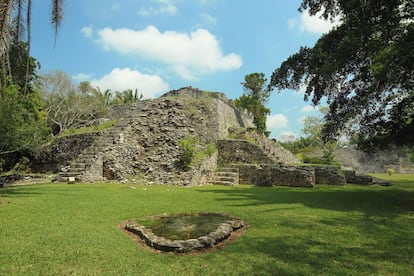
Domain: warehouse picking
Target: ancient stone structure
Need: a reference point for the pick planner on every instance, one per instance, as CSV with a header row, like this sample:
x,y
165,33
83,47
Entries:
x,y
144,144
267,175
329,175
375,162
144,147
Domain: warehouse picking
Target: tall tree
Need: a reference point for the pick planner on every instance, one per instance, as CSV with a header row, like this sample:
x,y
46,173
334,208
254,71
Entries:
x,y
15,21
256,94
364,68
68,105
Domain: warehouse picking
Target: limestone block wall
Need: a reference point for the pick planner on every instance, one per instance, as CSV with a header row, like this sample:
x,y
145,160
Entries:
x,y
375,162
267,175
329,175
240,152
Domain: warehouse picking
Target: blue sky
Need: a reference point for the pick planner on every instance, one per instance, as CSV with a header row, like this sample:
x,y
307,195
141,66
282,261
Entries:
x,y
159,45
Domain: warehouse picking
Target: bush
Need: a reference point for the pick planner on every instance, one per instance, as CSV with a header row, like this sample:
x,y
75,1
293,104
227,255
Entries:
x,y
390,171
187,146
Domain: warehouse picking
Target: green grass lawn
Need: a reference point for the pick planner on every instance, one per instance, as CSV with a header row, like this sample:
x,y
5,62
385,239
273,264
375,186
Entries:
x,y
73,229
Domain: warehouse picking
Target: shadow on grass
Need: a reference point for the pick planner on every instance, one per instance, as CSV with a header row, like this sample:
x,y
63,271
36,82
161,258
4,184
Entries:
x,y
38,189
379,248
372,235
383,201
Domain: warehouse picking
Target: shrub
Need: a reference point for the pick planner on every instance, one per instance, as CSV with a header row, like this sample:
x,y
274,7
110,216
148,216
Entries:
x,y
187,146
390,171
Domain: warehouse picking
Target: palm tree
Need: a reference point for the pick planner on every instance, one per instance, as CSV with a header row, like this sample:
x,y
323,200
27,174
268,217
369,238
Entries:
x,y
15,19
12,20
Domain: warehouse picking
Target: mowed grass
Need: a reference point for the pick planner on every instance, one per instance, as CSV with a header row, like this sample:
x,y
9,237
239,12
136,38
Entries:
x,y
59,229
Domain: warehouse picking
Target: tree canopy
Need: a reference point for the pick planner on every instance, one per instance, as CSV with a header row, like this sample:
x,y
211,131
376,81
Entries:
x,y
254,99
364,68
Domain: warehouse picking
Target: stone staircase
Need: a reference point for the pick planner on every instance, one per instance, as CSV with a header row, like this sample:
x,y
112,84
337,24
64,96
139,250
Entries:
x,y
88,166
226,176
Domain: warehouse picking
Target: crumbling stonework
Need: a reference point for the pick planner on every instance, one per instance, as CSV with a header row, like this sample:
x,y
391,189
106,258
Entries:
x,y
143,145
61,151
375,162
267,175
329,175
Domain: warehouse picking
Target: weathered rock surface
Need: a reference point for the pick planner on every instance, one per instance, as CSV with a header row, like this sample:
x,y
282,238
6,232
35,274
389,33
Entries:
x,y
267,175
375,162
144,145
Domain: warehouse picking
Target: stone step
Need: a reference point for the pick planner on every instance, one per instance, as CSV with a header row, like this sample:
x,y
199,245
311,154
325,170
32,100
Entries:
x,y
224,178
234,170
226,174
69,174
225,183
77,165
75,170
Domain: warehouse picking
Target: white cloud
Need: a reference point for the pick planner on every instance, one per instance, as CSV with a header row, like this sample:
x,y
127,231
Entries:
x,y
165,7
209,19
307,109
276,121
121,79
87,31
287,136
82,77
313,24
188,55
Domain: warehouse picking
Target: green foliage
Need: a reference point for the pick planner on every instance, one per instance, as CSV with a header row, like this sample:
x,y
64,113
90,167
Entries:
x,y
297,146
364,67
125,97
192,153
254,100
23,126
89,129
390,171
309,234
70,106
187,146
21,70
211,149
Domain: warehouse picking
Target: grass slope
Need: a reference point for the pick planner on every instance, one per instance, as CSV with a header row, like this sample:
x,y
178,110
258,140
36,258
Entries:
x,y
73,229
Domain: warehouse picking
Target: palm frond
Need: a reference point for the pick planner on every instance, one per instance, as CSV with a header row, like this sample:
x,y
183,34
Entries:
x,y
57,15
6,10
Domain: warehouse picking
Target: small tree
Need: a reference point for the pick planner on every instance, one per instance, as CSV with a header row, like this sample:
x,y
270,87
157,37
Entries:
x,y
187,146
390,171
256,94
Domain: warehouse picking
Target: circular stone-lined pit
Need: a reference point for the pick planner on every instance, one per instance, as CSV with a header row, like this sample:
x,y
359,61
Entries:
x,y
185,233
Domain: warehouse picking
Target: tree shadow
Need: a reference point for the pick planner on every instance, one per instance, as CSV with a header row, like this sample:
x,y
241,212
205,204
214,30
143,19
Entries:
x,y
381,201
388,243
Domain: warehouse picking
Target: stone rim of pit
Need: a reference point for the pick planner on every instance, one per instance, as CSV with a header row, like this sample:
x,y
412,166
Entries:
x,y
222,233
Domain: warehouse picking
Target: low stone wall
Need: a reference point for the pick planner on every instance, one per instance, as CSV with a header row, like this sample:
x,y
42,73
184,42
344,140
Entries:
x,y
240,152
329,175
267,175
61,151
223,231
375,162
